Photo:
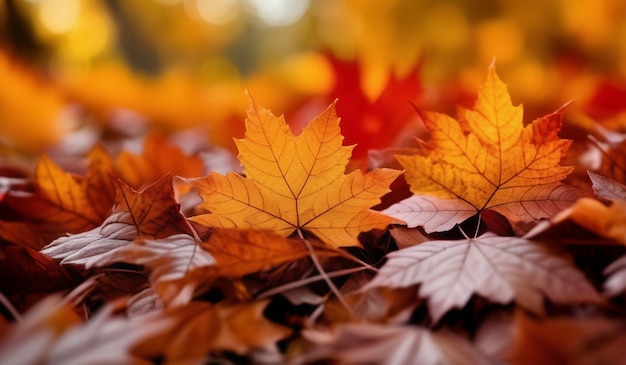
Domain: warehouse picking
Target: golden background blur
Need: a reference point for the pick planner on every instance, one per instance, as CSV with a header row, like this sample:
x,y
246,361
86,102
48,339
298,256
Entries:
x,y
177,64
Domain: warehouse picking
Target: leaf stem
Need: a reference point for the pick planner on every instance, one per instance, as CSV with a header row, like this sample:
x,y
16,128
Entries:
x,y
323,274
480,218
463,232
309,280
6,303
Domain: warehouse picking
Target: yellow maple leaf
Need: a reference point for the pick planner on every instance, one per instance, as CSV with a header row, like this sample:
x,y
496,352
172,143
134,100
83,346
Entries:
x,y
487,159
295,182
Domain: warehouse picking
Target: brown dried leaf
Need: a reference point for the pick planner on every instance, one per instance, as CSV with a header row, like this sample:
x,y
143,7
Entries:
x,y
607,188
567,340
239,327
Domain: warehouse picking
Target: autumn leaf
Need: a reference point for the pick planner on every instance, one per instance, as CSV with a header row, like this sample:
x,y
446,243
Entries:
x,y
29,342
169,258
381,305
604,220
154,209
21,234
613,161
241,252
175,262
607,188
564,340
407,237
487,160
238,327
160,157
295,183
64,202
116,285
433,214
615,282
377,120
150,213
28,276
53,333
370,343
501,269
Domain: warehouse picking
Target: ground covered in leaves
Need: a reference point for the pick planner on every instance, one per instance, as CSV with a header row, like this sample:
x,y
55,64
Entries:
x,y
487,241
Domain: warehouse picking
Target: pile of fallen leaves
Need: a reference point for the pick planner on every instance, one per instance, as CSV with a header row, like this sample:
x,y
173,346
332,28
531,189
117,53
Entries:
x,y
471,248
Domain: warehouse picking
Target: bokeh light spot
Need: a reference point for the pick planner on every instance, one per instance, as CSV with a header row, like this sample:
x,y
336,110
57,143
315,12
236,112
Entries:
x,y
58,16
91,35
218,12
276,13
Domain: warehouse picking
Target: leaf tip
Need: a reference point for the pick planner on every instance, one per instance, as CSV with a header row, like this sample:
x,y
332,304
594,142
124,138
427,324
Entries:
x,y
562,107
248,95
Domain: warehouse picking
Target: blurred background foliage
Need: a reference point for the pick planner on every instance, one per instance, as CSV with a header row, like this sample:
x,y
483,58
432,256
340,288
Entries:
x,y
122,67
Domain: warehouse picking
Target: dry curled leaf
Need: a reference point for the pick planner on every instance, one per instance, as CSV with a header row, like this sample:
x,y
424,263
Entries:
x,y
487,159
501,269
295,183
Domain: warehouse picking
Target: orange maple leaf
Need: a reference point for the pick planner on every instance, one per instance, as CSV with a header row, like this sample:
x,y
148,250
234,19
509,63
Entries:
x,y
241,252
236,327
64,202
159,158
154,210
487,160
295,183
